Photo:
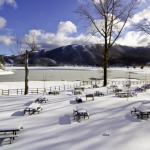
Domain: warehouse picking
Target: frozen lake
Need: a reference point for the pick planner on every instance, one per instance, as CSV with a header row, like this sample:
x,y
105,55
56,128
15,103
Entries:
x,y
73,74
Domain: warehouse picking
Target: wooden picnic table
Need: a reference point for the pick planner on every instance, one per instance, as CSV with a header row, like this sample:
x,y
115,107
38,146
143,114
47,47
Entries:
x,y
98,93
95,86
76,92
90,95
10,128
79,88
113,86
82,112
125,94
41,100
117,90
53,92
140,89
143,111
33,108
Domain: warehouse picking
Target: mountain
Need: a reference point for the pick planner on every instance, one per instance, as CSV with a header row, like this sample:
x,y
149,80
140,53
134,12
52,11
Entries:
x,y
85,55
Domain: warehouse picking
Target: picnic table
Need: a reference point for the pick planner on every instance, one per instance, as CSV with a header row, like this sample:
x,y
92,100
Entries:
x,y
125,94
41,100
89,95
95,86
76,92
127,85
140,89
117,90
53,92
113,86
33,108
82,112
98,93
10,128
146,86
79,88
78,99
143,111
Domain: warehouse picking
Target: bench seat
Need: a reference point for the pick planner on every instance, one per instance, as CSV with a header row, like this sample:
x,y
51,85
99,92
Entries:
x,y
9,136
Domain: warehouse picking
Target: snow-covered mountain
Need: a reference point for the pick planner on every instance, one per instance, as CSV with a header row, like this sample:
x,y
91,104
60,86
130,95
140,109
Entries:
x,y
86,55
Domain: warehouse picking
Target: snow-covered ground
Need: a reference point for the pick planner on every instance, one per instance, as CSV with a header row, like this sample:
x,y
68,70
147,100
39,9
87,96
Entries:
x,y
55,128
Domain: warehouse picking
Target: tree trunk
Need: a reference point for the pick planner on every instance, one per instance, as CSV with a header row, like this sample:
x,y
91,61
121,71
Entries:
x,y
105,70
26,72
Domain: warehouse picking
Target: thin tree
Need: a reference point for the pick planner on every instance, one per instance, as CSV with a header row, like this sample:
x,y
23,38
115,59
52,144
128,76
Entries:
x,y
106,19
32,42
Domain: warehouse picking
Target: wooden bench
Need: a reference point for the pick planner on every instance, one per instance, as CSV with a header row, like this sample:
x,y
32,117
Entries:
x,y
90,95
75,114
12,137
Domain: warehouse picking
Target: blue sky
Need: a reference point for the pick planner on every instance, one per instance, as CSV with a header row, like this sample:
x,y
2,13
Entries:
x,y
54,22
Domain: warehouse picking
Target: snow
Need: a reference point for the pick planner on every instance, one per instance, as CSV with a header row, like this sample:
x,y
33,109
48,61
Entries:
x,y
3,72
55,128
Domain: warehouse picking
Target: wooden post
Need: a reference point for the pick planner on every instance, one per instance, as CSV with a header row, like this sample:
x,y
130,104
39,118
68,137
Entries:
x,y
8,92
17,91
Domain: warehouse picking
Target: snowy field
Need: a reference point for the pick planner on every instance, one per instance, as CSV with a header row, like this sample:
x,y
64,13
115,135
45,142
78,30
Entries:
x,y
55,128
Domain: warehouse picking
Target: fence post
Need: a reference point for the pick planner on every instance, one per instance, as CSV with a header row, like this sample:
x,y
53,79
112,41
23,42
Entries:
x,y
8,92
17,91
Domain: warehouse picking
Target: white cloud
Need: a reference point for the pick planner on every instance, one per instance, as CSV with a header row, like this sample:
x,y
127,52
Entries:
x,y
6,40
133,38
8,2
2,22
61,38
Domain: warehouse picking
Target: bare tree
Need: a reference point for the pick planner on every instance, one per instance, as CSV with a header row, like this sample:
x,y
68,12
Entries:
x,y
106,19
32,42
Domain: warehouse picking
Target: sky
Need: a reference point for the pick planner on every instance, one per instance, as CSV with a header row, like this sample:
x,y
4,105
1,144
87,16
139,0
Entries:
x,y
55,24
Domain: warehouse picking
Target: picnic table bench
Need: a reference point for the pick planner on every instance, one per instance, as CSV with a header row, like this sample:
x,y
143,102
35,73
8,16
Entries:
x,y
33,108
97,93
126,94
53,92
11,136
41,100
78,99
76,92
89,96
79,88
